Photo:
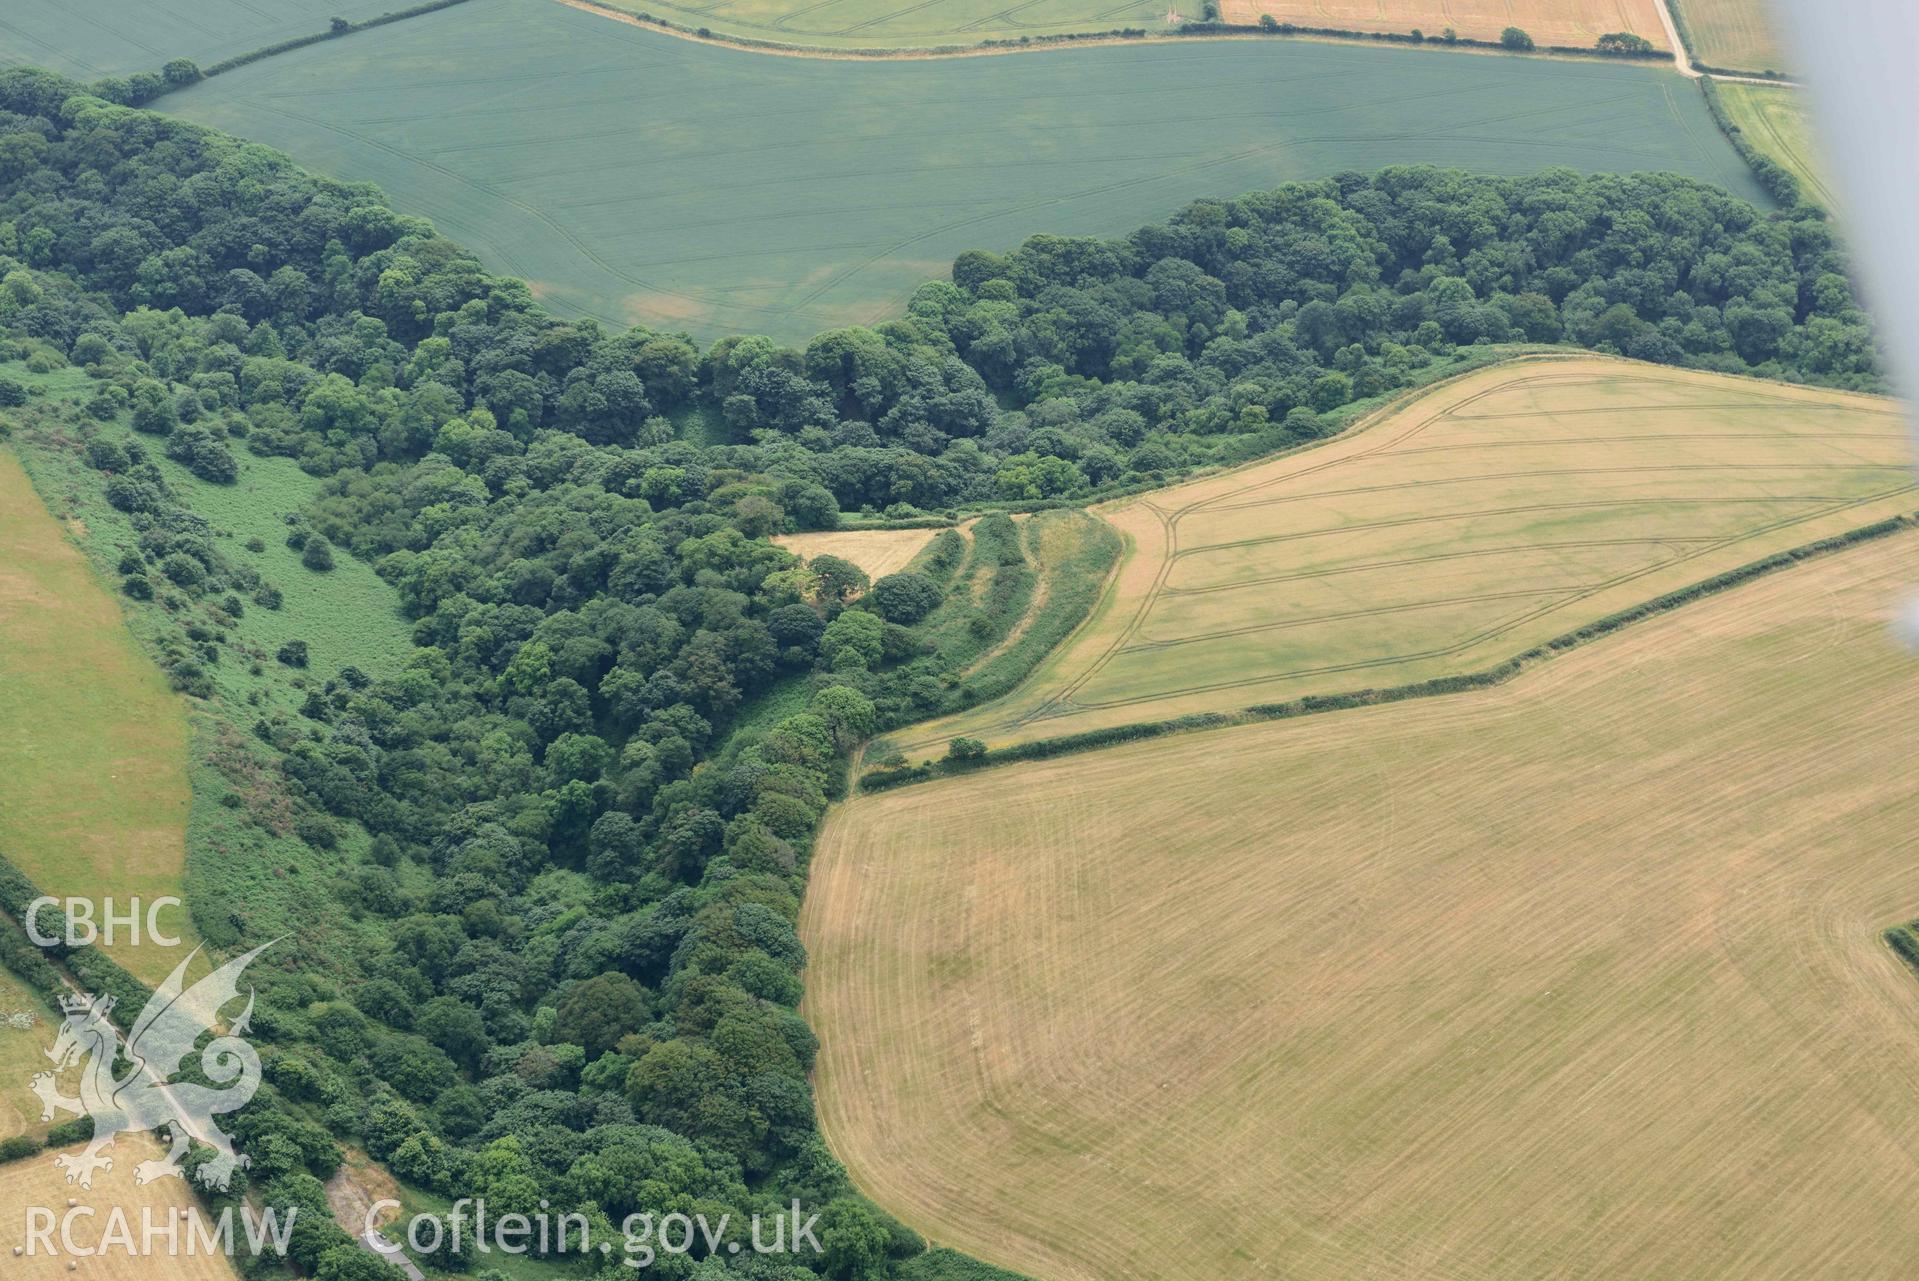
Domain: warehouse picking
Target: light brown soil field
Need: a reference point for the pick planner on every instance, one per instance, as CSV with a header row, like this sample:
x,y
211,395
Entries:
x,y
1577,977
877,551
1491,514
93,746
1570,23
1739,35
37,1181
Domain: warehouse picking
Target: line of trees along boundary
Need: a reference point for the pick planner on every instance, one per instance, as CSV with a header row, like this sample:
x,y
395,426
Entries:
x,y
144,87
1779,181
1065,745
1204,28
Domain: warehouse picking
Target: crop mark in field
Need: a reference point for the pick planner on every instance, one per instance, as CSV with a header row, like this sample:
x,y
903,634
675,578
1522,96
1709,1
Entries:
x,y
1003,16
1651,469
1408,562
786,20
1566,591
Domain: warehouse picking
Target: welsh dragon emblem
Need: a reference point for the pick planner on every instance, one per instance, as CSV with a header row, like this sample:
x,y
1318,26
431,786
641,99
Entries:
x,y
144,1097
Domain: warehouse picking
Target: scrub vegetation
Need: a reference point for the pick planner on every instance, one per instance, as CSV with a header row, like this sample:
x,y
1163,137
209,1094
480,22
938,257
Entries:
x,y
504,697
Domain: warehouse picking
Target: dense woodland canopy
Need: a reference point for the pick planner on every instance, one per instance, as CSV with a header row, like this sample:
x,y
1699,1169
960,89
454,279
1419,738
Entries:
x,y
594,1003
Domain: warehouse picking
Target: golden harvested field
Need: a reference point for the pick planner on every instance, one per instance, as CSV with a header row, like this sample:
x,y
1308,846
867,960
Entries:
x,y
1575,977
877,551
26,1030
1739,35
36,1181
1489,515
93,745
1572,23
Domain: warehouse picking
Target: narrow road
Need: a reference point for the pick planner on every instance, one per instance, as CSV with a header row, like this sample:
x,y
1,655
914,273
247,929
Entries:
x,y
1682,59
380,1248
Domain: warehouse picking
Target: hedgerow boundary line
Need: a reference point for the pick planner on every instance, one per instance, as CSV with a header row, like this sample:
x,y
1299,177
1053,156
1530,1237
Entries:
x,y
1117,35
335,32
1313,704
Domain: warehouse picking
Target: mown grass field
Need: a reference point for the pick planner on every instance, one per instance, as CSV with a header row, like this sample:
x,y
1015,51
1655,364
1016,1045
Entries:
x,y
1573,24
1778,121
1740,35
36,1181
93,769
26,1030
1578,976
1484,517
94,38
638,177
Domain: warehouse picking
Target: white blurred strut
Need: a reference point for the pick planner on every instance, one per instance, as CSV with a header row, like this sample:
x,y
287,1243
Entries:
x,y
1858,56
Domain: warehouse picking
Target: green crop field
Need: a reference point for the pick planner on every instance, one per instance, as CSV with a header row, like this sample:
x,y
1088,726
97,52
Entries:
x,y
93,38
642,178
1496,512
1778,121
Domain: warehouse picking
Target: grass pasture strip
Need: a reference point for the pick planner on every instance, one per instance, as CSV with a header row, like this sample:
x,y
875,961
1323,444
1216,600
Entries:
x,y
26,1030
877,551
1502,509
1522,983
1778,121
597,169
882,25
1572,24
93,745
116,37
889,24
1734,35
1073,553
